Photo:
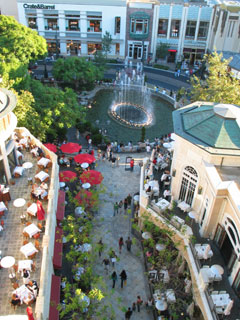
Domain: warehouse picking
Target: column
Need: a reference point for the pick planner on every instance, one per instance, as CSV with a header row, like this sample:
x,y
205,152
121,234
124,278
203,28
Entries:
x,y
182,31
154,31
210,31
61,23
84,48
169,21
63,47
83,24
198,22
40,22
5,161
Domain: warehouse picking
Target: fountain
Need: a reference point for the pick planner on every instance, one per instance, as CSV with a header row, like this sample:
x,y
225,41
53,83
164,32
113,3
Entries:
x,y
132,105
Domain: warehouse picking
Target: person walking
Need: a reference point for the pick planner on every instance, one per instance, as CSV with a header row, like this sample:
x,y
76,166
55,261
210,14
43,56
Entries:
x,y
134,306
128,244
125,205
139,303
128,314
120,244
123,277
114,278
115,208
129,200
120,205
106,264
113,257
100,247
132,164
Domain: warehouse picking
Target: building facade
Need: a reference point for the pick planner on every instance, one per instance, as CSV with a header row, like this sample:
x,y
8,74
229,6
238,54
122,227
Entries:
x,y
9,8
74,27
205,175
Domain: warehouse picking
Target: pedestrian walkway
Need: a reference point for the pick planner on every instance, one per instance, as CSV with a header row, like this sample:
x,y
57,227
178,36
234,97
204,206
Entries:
x,y
119,183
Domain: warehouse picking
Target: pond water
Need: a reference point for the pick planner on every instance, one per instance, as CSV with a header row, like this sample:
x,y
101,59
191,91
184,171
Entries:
x,y
99,117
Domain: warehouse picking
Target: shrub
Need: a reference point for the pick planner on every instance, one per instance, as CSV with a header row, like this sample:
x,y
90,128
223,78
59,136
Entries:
x,y
160,66
97,138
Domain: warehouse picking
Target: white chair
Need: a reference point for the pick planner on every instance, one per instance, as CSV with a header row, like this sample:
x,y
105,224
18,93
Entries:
x,y
219,310
215,292
222,292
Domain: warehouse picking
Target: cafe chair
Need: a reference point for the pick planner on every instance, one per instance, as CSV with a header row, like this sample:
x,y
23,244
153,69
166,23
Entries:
x,y
30,217
33,266
26,235
25,242
215,292
15,267
2,223
47,156
49,165
45,198
39,225
37,245
222,292
32,256
16,175
37,235
28,223
15,285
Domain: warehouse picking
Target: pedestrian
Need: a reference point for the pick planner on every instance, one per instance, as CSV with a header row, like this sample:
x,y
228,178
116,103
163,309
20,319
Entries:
x,y
123,277
128,243
100,247
106,264
114,278
115,208
113,257
178,72
120,205
132,164
113,161
120,244
125,205
134,306
139,303
103,156
128,314
129,200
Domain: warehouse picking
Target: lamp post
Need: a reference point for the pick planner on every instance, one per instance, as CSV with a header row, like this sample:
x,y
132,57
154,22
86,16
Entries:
x,y
56,38
103,128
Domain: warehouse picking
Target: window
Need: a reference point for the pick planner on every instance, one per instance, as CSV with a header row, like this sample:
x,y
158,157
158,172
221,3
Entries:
x,y
139,26
93,47
117,24
72,22
162,27
117,48
175,28
51,22
94,24
190,29
203,30
32,23
188,185
204,212
231,27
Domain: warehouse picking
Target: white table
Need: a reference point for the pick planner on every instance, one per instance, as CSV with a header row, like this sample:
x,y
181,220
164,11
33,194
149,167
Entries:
x,y
18,170
86,185
42,176
34,152
32,229
221,300
177,222
62,184
216,268
2,206
170,296
184,206
32,209
20,202
28,249
165,275
161,305
24,294
160,247
84,165
27,165
146,235
163,204
200,250
43,162
7,262
25,264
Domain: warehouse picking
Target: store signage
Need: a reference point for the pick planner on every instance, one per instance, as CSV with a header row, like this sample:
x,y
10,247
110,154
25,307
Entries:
x,y
37,6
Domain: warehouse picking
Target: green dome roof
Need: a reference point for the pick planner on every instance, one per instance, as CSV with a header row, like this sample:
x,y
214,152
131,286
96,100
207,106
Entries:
x,y
216,126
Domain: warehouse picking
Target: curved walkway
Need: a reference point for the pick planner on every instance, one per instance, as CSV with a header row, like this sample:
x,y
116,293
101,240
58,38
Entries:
x,y
119,183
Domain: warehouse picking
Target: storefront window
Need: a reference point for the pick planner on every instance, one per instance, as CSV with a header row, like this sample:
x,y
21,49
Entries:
x,y
52,46
93,47
117,24
32,23
139,26
162,27
203,30
72,22
175,28
94,24
117,48
51,22
190,29
73,47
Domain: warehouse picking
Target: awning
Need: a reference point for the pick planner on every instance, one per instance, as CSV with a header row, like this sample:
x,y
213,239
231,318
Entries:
x,y
55,298
172,50
57,256
61,205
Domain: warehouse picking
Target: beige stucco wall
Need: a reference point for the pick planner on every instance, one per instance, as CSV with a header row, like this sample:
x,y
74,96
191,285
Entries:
x,y
9,8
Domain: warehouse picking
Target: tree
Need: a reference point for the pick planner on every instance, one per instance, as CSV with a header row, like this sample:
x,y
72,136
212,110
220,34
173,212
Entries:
x,y
220,86
162,50
77,72
99,60
106,43
18,46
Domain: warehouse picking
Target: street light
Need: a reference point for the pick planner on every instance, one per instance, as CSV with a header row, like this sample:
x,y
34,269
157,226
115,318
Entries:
x,y
56,38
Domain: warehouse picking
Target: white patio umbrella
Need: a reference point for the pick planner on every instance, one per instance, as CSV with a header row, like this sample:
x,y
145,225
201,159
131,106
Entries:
x,y
169,145
228,308
146,235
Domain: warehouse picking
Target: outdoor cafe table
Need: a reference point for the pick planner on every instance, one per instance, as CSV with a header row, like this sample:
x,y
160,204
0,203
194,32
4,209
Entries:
x,y
170,295
221,300
28,249
84,165
184,206
2,207
32,209
161,305
163,204
18,170
43,162
42,176
24,294
18,203
217,269
32,229
25,264
200,250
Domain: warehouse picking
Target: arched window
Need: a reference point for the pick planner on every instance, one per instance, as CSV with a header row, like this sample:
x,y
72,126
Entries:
x,y
188,185
233,234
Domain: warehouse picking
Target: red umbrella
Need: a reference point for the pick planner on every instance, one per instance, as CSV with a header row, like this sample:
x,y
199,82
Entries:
x,y
51,147
70,147
66,176
84,198
91,176
84,157
40,211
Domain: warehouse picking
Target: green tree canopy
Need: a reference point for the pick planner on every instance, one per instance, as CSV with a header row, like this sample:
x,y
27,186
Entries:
x,y
106,43
162,50
77,72
220,86
18,46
